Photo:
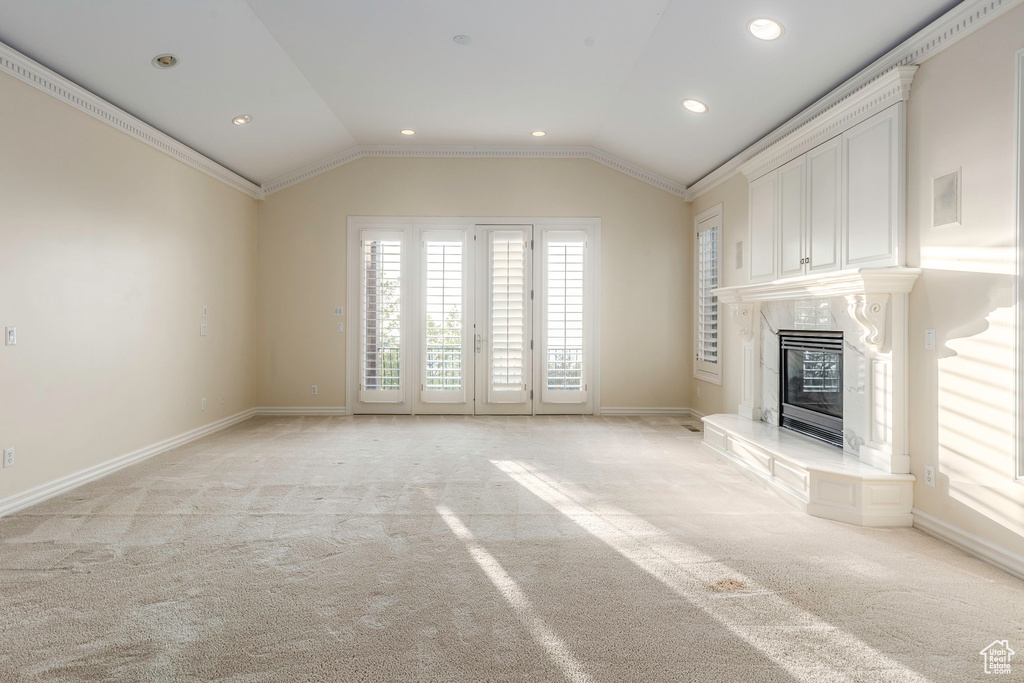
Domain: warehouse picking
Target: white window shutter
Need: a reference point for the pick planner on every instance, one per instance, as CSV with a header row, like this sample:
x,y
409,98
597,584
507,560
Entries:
x,y
564,351
707,364
444,338
508,305
381,317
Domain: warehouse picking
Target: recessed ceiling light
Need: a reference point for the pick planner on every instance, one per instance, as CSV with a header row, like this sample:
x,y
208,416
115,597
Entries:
x,y
241,120
696,106
165,61
765,29
461,39
538,133
408,131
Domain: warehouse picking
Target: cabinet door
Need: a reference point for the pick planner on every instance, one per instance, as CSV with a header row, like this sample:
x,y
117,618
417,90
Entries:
x,y
763,227
824,207
791,218
872,170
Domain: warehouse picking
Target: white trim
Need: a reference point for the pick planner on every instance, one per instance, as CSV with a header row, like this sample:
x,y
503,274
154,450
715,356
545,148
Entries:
x,y
860,281
972,544
641,411
959,22
880,94
1018,290
481,152
24,69
281,411
20,501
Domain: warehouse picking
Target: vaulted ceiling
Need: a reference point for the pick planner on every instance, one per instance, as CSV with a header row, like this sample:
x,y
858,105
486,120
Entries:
x,y
320,76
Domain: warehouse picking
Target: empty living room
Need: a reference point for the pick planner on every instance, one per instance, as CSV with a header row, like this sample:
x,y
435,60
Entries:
x,y
456,341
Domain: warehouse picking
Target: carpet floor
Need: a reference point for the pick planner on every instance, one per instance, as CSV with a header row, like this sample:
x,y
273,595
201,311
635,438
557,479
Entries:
x,y
476,549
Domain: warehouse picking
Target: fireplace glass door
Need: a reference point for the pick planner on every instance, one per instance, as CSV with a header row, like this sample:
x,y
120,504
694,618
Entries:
x,y
811,384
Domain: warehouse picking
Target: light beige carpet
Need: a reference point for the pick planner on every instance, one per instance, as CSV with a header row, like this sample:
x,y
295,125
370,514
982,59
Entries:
x,y
476,549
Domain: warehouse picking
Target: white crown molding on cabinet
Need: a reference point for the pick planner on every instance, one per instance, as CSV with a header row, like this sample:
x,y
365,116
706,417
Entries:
x,y
55,85
959,22
474,152
883,92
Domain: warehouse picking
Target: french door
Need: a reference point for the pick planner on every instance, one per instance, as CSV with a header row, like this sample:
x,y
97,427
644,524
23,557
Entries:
x,y
471,318
503,330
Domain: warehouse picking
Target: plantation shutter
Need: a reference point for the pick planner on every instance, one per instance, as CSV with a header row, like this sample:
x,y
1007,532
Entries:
x,y
381,317
563,359
707,248
444,342
508,305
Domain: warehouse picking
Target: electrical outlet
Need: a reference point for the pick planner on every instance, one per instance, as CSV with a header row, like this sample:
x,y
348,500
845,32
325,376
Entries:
x,y
314,390
929,475
8,457
341,327
12,336
202,330
339,311
203,405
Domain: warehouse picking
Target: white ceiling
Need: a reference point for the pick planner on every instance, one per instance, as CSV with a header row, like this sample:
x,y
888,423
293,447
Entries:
x,y
319,76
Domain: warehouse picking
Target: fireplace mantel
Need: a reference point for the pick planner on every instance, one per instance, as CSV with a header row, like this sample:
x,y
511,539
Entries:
x,y
867,292
863,281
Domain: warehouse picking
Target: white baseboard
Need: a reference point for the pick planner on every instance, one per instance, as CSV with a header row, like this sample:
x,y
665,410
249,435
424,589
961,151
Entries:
x,y
675,412
972,544
20,501
300,410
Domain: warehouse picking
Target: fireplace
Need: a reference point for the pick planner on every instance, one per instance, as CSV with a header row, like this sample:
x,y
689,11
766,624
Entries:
x,y
811,383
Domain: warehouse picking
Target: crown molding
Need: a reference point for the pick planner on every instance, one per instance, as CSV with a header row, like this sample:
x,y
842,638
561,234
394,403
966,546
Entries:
x,y
883,92
474,152
29,71
959,22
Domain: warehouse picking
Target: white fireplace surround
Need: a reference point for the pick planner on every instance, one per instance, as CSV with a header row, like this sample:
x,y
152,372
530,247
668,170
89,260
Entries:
x,y
868,481
870,307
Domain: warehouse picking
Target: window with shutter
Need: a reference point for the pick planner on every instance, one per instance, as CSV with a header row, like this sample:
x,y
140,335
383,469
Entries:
x,y
708,229
563,354
444,314
381,317
508,316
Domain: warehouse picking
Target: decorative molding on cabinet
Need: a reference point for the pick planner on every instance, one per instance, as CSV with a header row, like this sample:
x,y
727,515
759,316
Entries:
x,y
456,152
880,94
863,281
24,69
743,314
957,23
869,311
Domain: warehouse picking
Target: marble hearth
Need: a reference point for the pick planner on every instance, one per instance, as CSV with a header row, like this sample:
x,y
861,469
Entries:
x,y
869,306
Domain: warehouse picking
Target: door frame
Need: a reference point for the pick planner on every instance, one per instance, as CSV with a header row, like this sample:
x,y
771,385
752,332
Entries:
x,y
412,268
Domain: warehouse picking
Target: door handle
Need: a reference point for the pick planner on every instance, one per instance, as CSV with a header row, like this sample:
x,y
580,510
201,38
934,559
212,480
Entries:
x,y
478,340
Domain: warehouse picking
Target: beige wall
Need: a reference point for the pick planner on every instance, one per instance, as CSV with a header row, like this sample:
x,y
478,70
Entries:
x,y
645,271
108,251
960,115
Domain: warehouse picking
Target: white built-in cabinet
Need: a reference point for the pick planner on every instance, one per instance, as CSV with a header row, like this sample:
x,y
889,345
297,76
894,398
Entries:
x,y
835,207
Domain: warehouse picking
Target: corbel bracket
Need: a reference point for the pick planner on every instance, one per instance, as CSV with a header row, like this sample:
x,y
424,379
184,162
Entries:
x,y
869,311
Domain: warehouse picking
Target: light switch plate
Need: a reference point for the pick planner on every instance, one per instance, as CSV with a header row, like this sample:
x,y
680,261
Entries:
x,y
929,338
339,311
11,336
204,311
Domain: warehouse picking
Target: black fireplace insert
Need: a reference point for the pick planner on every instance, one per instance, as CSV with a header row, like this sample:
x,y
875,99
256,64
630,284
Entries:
x,y
811,383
